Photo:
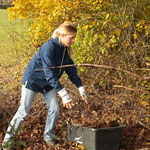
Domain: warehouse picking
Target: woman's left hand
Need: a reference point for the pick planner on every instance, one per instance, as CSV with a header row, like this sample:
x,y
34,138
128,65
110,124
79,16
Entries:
x,y
85,99
83,94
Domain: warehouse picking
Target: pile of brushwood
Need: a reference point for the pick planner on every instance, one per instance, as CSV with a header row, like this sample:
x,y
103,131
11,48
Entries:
x,y
107,106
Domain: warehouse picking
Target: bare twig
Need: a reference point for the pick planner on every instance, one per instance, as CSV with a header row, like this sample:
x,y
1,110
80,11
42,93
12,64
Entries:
x,y
143,125
98,66
128,88
143,69
139,120
124,12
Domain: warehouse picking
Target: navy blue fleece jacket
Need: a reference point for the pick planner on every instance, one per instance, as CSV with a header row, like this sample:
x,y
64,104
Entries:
x,y
50,54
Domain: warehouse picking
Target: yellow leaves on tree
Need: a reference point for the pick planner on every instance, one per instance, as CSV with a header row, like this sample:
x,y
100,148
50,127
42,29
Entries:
x,y
43,16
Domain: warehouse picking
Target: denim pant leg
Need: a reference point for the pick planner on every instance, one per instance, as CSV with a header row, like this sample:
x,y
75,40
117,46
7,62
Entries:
x,y
23,110
53,112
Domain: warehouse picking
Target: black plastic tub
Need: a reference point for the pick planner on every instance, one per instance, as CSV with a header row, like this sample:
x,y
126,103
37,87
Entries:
x,y
95,139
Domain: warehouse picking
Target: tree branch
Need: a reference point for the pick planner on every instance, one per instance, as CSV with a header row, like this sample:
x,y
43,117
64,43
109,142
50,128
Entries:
x,y
128,88
143,125
99,66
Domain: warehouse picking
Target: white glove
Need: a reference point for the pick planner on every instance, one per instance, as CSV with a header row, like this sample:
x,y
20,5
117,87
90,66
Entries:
x,y
65,96
82,91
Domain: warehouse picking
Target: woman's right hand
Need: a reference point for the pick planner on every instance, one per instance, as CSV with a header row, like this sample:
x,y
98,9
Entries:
x,y
67,101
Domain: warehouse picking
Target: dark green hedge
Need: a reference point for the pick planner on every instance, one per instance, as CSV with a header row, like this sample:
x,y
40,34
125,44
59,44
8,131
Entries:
x,y
5,6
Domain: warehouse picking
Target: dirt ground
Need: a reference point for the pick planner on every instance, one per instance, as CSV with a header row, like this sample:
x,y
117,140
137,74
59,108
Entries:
x,y
104,110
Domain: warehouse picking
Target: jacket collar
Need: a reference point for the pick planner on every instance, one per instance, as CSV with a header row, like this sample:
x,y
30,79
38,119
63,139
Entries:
x,y
56,41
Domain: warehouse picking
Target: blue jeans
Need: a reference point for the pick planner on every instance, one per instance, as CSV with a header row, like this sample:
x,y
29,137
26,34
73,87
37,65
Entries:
x,y
27,97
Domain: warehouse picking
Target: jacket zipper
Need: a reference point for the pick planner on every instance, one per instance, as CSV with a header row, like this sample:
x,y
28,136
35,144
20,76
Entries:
x,y
60,65
62,61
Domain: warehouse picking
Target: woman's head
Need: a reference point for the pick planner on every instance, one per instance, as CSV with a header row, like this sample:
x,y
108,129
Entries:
x,y
66,33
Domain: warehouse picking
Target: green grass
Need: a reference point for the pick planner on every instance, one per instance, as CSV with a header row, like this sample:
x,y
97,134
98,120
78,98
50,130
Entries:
x,y
8,37
6,29
11,47
3,28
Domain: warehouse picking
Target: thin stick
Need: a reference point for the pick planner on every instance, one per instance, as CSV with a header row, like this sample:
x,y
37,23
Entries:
x,y
98,66
128,88
143,125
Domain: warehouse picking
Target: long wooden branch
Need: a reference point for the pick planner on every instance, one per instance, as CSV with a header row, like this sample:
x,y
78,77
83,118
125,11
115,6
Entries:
x,y
99,66
131,89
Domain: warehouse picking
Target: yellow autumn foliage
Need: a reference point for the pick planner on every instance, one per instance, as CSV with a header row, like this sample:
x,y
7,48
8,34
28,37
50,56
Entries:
x,y
44,16
104,31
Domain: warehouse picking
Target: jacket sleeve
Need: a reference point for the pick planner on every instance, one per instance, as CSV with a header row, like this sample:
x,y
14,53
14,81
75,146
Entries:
x,y
47,56
72,74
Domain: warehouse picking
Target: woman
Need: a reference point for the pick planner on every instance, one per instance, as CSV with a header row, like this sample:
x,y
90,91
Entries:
x,y
55,52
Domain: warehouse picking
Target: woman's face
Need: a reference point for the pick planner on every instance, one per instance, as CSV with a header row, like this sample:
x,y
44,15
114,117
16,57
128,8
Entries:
x,y
68,39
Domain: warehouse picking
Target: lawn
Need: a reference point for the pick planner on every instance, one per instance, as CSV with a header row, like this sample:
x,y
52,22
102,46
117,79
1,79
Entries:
x,y
4,24
7,27
8,36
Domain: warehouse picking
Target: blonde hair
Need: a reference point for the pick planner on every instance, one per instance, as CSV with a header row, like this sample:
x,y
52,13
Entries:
x,y
65,28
